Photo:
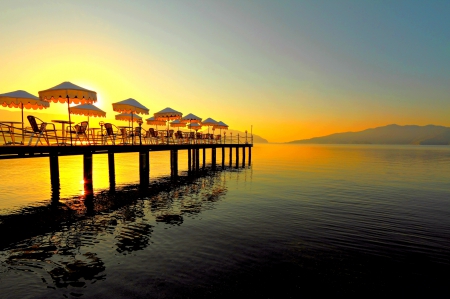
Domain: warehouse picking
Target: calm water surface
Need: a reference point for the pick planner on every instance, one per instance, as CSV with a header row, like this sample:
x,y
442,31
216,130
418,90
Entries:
x,y
303,220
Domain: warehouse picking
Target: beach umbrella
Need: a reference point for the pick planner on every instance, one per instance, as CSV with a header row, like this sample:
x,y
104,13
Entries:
x,y
191,118
221,126
87,110
130,106
69,93
195,126
154,122
22,99
178,124
168,114
130,117
209,122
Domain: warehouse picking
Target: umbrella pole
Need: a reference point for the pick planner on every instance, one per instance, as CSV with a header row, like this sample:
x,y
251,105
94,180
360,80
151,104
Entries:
x,y
132,130
70,121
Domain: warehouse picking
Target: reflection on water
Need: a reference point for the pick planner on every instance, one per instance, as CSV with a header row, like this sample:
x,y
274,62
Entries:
x,y
60,246
311,221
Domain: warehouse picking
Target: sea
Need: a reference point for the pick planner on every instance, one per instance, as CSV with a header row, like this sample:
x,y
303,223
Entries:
x,y
299,221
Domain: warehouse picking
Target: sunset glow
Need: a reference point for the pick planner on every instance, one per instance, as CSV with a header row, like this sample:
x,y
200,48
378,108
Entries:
x,y
292,69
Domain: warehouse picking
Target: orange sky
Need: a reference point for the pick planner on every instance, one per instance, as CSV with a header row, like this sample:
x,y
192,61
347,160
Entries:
x,y
291,70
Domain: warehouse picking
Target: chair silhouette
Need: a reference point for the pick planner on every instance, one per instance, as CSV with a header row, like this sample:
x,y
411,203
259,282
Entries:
x,y
152,136
79,130
109,128
40,130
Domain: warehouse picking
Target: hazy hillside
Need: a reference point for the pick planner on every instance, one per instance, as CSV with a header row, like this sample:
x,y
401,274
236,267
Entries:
x,y
391,134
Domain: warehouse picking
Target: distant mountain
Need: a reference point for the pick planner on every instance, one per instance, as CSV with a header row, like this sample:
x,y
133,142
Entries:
x,y
391,134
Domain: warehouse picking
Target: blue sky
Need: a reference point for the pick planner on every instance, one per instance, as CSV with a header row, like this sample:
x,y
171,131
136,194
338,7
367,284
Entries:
x,y
317,67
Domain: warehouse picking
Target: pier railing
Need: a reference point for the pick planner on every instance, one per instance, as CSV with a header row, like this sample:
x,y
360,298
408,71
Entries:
x,y
13,136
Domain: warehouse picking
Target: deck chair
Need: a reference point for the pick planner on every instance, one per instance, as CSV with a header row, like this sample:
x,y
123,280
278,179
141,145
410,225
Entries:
x,y
152,136
111,133
179,137
4,129
40,130
79,130
139,132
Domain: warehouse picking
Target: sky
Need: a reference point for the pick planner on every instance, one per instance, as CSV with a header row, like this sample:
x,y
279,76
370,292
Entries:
x,y
286,70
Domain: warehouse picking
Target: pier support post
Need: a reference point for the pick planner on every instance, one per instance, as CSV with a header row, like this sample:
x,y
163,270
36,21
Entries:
x,y
213,158
54,176
144,168
204,158
87,174
231,157
173,163
243,156
189,160
194,152
237,157
197,158
112,171
223,157
249,156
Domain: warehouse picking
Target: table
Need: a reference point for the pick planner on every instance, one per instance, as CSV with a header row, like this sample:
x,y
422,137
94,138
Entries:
x,y
11,130
63,123
93,134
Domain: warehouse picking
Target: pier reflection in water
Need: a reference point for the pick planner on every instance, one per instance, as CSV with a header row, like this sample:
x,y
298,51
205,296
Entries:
x,y
66,246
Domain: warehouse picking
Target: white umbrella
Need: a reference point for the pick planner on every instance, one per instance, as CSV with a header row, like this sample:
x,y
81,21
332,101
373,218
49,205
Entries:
x,y
168,114
195,126
69,93
22,99
178,124
209,122
130,106
128,117
87,110
153,121
191,118
221,126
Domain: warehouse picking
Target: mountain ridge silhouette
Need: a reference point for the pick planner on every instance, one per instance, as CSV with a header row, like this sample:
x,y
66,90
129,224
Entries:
x,y
390,134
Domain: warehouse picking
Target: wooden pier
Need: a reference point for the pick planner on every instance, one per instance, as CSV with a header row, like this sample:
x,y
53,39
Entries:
x,y
144,151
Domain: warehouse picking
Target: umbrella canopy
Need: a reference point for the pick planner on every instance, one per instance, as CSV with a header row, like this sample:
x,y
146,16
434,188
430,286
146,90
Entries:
x,y
191,118
155,122
128,117
209,122
177,123
168,114
221,125
22,99
130,106
69,93
195,126
87,110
